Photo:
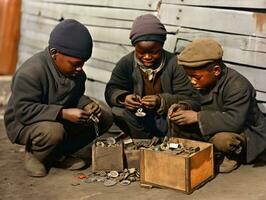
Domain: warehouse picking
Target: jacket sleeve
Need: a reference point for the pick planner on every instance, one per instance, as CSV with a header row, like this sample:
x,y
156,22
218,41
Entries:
x,y
182,90
236,103
120,82
27,92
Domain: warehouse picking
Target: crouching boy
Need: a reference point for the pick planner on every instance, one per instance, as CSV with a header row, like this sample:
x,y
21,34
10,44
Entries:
x,y
47,111
229,116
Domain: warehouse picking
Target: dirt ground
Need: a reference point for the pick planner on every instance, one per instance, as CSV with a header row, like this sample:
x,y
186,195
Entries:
x,y
246,183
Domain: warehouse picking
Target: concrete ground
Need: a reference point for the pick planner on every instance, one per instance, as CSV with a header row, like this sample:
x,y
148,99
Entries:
x,y
248,182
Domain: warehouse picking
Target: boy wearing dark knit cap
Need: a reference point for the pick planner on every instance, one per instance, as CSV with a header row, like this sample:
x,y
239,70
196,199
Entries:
x,y
47,110
229,116
147,81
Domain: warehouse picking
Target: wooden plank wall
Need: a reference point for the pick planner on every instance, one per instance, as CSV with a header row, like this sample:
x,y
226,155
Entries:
x,y
239,25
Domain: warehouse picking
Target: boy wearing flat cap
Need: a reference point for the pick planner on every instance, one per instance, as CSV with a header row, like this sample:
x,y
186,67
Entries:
x,y
229,116
47,110
147,81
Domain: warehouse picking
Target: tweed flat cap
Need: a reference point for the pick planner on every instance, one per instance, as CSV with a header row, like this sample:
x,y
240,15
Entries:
x,y
200,52
71,38
147,27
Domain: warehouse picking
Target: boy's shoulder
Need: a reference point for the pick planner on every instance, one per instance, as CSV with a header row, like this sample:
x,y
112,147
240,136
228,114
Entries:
x,y
33,66
235,80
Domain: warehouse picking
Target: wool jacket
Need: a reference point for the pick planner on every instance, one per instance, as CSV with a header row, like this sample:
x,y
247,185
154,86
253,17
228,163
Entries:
x,y
126,78
39,92
231,106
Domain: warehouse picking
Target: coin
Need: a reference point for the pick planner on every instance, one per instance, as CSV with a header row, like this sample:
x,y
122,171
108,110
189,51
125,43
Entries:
x,y
110,140
113,174
125,182
109,182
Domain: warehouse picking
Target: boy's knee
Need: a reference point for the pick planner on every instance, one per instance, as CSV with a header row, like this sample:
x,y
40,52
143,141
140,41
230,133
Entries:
x,y
52,132
227,141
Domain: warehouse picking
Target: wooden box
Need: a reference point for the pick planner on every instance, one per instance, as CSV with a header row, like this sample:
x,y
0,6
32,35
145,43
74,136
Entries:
x,y
107,158
132,156
182,172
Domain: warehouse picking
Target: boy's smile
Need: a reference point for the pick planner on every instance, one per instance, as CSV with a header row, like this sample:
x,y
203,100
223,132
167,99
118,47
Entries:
x,y
149,53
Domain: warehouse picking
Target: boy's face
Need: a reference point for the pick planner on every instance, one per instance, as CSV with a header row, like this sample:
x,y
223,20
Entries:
x,y
149,53
204,79
69,66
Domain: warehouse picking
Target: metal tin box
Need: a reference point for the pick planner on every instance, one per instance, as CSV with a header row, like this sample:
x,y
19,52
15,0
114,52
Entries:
x,y
107,158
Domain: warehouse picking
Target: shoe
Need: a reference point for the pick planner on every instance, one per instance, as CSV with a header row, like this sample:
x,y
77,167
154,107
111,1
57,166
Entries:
x,y
33,166
70,163
228,166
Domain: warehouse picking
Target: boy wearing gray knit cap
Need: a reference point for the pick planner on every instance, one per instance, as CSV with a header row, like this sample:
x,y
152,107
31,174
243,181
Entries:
x,y
230,117
147,81
47,111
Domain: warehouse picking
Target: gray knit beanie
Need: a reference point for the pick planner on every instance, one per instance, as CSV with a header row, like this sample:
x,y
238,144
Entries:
x,y
71,38
147,28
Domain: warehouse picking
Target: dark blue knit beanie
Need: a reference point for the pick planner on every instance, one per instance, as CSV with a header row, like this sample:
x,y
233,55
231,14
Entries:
x,y
71,38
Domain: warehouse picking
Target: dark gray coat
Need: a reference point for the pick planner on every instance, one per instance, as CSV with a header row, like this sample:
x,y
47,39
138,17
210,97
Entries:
x,y
176,87
232,106
39,92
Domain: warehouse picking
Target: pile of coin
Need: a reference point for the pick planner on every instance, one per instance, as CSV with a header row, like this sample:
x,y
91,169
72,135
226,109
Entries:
x,y
112,178
176,148
108,142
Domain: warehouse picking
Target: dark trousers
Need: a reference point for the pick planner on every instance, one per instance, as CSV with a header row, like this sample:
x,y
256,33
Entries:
x,y
140,127
46,139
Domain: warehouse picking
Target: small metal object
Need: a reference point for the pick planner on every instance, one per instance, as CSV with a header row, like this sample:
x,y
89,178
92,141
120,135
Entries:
x,y
127,141
100,178
173,145
125,182
140,113
101,173
110,140
154,141
94,118
164,146
113,174
90,179
99,144
96,129
109,182
238,149
131,178
132,170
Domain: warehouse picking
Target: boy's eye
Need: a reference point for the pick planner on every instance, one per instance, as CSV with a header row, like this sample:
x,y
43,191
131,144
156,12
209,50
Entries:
x,y
198,77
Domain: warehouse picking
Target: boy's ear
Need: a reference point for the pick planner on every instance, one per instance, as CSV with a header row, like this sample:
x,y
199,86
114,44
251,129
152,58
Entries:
x,y
216,70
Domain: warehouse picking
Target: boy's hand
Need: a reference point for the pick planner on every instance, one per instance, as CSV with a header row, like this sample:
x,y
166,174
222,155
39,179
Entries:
x,y
226,141
183,117
93,108
151,101
75,115
177,106
132,102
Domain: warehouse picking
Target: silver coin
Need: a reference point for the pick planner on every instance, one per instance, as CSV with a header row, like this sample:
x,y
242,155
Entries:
x,y
101,179
125,182
109,182
110,140
113,174
90,179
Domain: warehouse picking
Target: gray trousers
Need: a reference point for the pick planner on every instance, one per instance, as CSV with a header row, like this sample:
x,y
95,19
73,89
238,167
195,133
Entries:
x,y
193,133
46,139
